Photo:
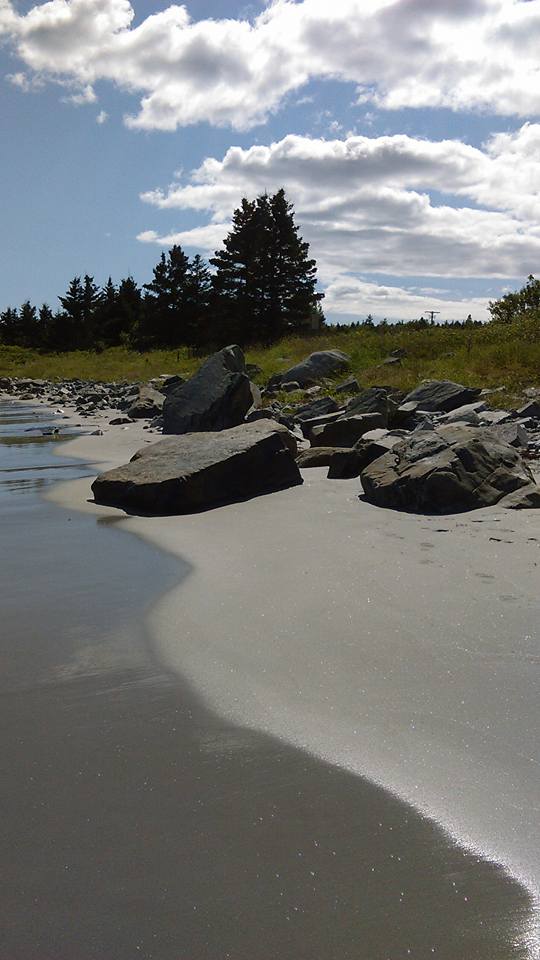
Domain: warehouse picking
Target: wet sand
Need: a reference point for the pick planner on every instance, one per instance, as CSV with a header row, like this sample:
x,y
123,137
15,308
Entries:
x,y
154,817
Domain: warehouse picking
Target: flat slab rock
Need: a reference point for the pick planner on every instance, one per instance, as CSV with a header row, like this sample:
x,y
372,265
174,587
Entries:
x,y
323,363
443,395
447,470
199,470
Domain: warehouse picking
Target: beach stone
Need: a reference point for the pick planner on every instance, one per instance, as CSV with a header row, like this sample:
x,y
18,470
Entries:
x,y
317,408
445,470
513,433
119,421
344,432
148,403
372,400
531,409
316,456
217,397
442,395
526,498
347,464
350,385
323,363
180,474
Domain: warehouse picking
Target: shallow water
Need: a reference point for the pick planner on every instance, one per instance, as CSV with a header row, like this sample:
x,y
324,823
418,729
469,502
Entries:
x,y
136,823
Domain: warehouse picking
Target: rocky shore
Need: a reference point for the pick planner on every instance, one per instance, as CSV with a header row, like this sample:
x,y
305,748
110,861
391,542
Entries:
x,y
438,449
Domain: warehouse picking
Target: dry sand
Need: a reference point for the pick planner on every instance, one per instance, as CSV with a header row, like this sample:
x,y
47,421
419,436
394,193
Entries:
x,y
403,648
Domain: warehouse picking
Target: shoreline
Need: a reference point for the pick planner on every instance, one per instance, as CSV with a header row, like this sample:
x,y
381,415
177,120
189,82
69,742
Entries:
x,y
254,673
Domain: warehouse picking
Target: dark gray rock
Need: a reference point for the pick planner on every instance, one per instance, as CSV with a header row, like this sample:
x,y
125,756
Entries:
x,y
217,397
450,469
531,409
323,363
316,457
345,432
526,498
349,463
119,421
443,395
290,386
307,426
149,403
350,385
513,433
317,408
198,470
372,400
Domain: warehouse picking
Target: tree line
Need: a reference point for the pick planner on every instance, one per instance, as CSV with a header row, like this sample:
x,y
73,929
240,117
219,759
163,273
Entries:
x,y
262,286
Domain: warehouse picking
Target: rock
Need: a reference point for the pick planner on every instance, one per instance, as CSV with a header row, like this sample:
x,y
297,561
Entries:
x,y
149,403
307,426
316,457
391,361
290,386
324,363
313,391
317,408
118,421
531,409
513,433
180,474
255,415
469,413
526,498
372,400
347,464
345,432
217,397
349,386
170,383
443,395
450,469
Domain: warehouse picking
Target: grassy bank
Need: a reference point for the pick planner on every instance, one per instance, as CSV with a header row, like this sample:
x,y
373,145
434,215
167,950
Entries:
x,y
495,355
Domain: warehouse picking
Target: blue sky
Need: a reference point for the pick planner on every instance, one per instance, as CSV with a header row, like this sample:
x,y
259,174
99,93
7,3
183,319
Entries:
x,y
405,131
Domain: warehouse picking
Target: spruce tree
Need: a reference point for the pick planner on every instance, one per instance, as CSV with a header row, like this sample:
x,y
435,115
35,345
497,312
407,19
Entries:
x,y
264,285
167,298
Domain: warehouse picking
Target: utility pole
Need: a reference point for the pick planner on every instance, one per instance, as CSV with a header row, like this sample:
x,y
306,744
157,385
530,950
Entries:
x,y
432,314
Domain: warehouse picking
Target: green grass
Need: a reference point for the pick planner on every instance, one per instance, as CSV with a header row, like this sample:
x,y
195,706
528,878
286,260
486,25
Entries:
x,y
491,356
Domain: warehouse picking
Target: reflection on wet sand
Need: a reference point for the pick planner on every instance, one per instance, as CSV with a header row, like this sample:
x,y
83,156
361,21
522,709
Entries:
x,y
136,823
139,824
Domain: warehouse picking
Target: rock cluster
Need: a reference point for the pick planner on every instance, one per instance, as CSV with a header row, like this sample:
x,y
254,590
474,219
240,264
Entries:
x,y
437,449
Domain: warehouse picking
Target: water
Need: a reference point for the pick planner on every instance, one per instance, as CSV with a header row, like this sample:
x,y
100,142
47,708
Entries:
x,y
136,823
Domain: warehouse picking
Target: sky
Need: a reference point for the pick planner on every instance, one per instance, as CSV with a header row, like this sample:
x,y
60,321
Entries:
x,y
405,132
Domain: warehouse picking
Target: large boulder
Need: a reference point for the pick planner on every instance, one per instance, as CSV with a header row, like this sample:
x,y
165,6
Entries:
x,y
346,432
442,395
199,470
316,457
217,397
148,403
323,363
452,468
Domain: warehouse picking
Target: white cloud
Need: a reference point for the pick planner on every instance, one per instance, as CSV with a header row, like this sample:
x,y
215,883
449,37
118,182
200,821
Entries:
x,y
353,297
365,206
461,54
102,117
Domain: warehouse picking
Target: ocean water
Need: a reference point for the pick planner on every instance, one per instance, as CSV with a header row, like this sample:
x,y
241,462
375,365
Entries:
x,y
138,824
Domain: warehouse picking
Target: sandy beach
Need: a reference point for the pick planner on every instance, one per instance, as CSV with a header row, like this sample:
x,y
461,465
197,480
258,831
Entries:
x,y
396,657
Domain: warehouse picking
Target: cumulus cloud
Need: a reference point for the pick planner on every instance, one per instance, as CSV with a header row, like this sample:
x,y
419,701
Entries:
x,y
365,203
461,54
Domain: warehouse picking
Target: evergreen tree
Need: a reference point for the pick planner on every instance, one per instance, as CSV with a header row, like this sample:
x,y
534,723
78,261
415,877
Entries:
x,y
28,325
9,326
167,294
264,283
80,306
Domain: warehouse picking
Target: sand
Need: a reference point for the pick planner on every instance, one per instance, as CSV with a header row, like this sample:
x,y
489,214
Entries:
x,y
403,648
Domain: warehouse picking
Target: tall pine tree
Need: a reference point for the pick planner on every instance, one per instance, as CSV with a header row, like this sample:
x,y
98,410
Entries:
x,y
264,284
